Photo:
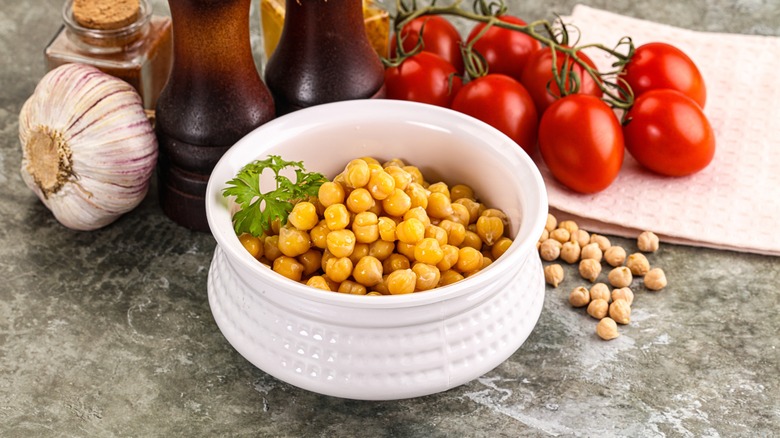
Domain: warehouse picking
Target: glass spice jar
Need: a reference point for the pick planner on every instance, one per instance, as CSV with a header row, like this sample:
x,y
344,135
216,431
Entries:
x,y
136,48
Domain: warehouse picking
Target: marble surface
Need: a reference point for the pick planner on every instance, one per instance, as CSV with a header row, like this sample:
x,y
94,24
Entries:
x,y
109,333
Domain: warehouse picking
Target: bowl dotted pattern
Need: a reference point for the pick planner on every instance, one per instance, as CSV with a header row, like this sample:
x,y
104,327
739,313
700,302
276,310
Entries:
x,y
336,358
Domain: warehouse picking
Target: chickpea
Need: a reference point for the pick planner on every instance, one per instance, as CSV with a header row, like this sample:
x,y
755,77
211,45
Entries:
x,y
620,277
551,224
569,226
357,173
402,281
570,252
318,282
592,251
341,243
550,250
462,191
598,308
615,256
655,279
428,276
439,205
472,239
500,247
490,229
303,216
600,291
289,267
602,241
561,235
338,269
638,264
606,329
469,259
449,277
620,311
647,242
449,258
545,235
368,271
553,274
474,208
252,244
381,185
590,269
331,193
623,293
579,297
311,261
581,236
352,288
398,203
401,177
360,200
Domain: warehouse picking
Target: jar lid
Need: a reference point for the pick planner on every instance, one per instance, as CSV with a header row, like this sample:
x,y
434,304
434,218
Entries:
x,y
106,14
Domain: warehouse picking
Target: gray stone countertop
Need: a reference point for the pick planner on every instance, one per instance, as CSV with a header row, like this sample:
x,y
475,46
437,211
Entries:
x,y
109,333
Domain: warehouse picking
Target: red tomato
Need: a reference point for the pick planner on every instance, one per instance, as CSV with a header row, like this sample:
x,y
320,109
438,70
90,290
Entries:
x,y
439,36
659,65
538,73
668,133
503,103
581,142
424,77
506,51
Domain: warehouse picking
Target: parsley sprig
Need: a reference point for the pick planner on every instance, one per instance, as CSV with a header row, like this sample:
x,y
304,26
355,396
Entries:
x,y
259,209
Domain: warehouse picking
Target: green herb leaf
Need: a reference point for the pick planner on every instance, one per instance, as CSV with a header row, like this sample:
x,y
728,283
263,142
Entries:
x,y
259,210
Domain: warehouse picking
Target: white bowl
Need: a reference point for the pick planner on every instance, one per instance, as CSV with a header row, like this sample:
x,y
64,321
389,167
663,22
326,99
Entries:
x,y
382,347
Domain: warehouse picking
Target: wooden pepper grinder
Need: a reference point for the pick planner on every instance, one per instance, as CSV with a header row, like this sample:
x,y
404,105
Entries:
x,y
213,97
323,55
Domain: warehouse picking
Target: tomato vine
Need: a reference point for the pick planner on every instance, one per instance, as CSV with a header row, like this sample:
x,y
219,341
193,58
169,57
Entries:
x,y
554,35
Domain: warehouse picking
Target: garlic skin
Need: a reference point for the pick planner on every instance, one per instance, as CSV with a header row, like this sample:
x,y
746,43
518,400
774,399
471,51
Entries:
x,y
88,149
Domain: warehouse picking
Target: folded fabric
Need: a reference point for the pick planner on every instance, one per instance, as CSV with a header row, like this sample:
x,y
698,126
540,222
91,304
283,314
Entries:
x,y
732,204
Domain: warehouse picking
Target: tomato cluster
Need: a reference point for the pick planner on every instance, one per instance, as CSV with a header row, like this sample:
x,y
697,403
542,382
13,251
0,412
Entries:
x,y
580,137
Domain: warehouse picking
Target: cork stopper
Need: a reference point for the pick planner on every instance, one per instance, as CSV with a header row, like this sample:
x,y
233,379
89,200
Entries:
x,y
105,14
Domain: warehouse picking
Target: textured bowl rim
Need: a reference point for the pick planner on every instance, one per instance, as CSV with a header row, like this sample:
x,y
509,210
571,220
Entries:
x,y
289,125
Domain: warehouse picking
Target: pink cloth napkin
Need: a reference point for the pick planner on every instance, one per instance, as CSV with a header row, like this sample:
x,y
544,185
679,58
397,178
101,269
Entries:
x,y
735,202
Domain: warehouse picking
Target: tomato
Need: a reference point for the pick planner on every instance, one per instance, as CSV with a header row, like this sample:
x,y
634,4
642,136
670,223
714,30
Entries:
x,y
439,36
581,142
668,133
538,73
506,51
659,65
424,77
503,103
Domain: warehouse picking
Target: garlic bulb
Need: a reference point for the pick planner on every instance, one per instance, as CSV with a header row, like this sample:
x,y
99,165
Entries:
x,y
88,149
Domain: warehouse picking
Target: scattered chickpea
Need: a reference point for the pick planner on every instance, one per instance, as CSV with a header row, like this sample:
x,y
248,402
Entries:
x,y
551,224
581,236
602,241
600,291
620,311
638,264
624,293
553,274
569,226
590,269
655,279
570,252
579,297
545,235
647,242
561,235
598,308
615,256
620,277
591,251
550,249
607,329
